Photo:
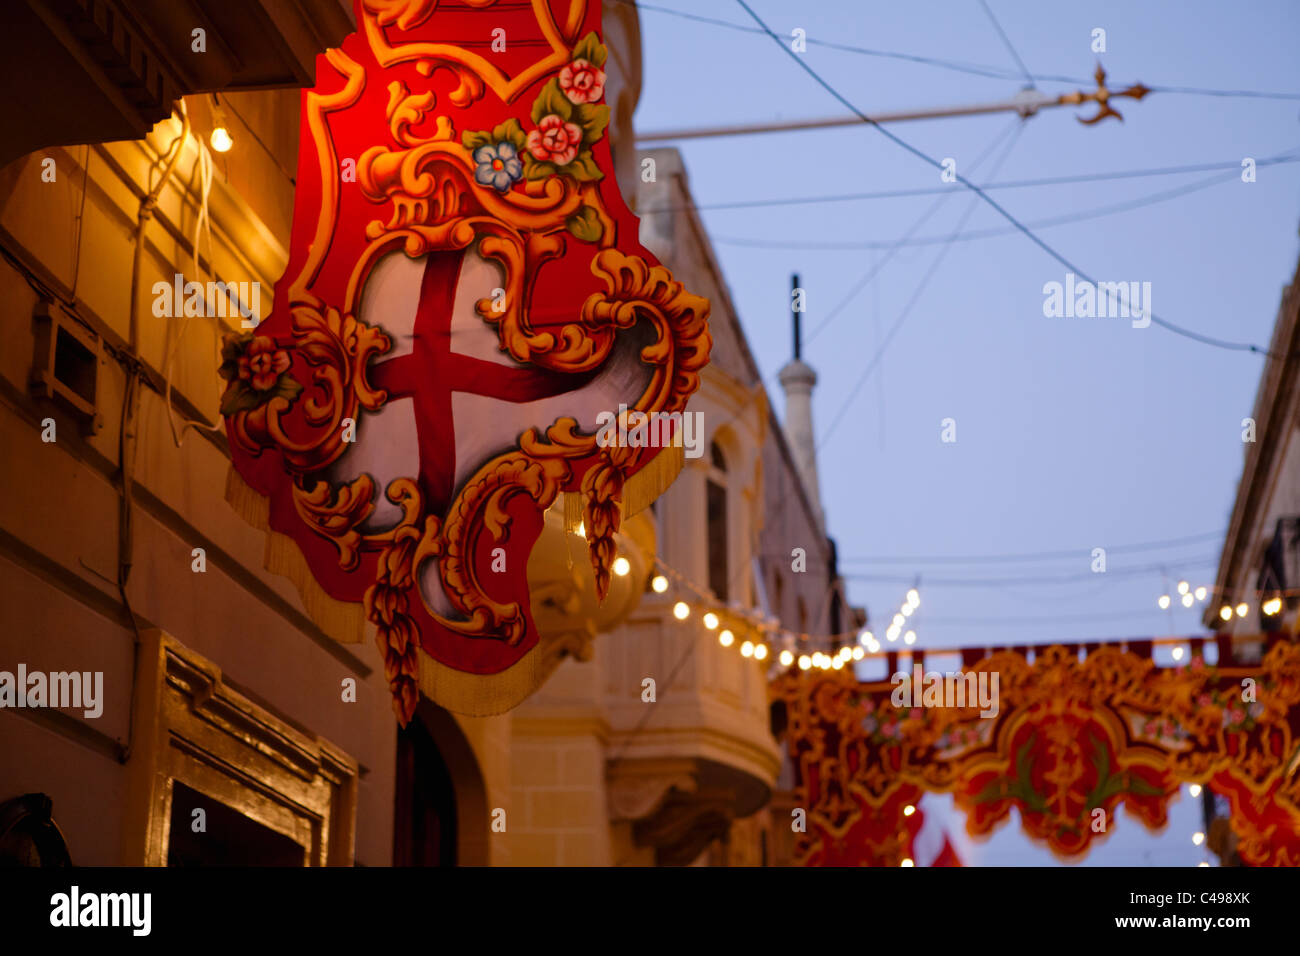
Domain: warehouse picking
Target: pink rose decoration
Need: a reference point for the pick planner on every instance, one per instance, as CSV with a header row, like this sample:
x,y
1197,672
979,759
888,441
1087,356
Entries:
x,y
554,141
262,363
582,82
1235,716
1204,700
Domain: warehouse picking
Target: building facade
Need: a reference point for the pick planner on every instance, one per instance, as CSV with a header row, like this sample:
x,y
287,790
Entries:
x,y
233,720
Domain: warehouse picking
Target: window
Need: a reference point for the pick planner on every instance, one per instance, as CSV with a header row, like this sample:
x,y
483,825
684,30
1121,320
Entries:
x,y
717,523
270,793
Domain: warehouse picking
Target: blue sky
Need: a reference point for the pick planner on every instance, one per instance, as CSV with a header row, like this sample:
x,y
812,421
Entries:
x,y
1071,433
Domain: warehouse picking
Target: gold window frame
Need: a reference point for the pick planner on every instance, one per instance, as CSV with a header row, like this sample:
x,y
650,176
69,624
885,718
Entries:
x,y
192,727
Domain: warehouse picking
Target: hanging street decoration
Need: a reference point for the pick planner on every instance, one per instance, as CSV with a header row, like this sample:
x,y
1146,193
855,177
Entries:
x,y
465,294
1071,734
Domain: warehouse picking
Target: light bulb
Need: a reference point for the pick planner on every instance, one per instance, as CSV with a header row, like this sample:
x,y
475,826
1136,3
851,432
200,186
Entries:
x,y
914,598
907,610
1182,587
1272,606
909,637
1200,593
711,621
1225,613
622,566
867,639
1164,601
1178,653
805,662
907,861
787,658
220,140
659,584
747,649
1194,790
1198,838
898,620
838,663
1188,600
859,653
1242,609
726,638
681,610
760,652
908,810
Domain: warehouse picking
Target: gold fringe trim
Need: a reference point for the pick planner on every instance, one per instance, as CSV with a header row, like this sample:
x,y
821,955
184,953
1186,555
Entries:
x,y
573,505
344,621
480,695
640,490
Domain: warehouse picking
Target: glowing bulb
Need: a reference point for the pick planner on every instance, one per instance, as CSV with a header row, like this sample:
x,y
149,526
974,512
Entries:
x,y
825,664
838,663
1182,587
907,861
898,620
1198,838
760,652
1202,863
681,611
859,653
1200,593
622,566
908,810
892,634
726,638
1188,600
867,639
909,637
659,584
1242,609
805,662
711,621
907,610
1164,601
787,658
1178,653
220,140
914,597
1194,790
747,649
1272,606
1225,613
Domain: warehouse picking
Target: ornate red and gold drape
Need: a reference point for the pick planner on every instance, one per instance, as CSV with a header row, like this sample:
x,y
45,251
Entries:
x,y
465,299
1080,731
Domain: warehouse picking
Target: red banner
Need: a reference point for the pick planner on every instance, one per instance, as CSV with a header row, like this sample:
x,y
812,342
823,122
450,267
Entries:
x,y
1064,734
465,297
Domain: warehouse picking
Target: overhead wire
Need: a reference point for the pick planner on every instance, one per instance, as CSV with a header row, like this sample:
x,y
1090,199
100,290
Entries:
x,y
1172,327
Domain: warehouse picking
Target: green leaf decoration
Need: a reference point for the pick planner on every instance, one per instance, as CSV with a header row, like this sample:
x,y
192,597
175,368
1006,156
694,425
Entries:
x,y
472,140
239,397
510,132
583,168
286,387
552,101
535,169
593,118
585,225
590,48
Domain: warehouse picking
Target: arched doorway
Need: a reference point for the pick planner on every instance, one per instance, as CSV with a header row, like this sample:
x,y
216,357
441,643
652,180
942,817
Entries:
x,y
440,813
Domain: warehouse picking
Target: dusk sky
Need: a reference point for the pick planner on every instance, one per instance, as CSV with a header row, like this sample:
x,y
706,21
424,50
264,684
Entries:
x,y
1072,433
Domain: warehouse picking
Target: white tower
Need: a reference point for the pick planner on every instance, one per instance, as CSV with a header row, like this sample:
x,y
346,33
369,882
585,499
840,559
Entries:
x,y
797,380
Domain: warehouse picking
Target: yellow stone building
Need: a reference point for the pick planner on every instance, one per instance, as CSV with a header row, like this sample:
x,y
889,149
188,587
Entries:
x,y
225,697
